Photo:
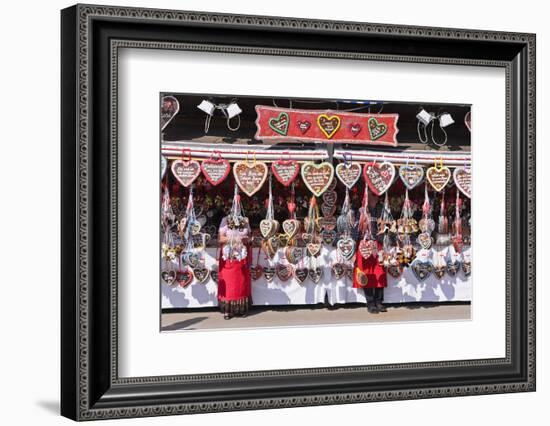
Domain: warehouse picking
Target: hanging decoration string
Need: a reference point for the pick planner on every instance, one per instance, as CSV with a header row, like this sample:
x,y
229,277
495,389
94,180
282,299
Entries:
x,y
387,220
443,222
365,220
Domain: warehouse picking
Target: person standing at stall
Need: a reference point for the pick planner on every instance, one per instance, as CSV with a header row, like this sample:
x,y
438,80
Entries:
x,y
235,259
369,274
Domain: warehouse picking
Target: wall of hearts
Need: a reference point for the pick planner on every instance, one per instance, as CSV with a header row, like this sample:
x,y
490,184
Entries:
x,y
318,198
310,219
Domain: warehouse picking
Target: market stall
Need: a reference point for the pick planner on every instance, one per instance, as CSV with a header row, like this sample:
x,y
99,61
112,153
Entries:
x,y
305,203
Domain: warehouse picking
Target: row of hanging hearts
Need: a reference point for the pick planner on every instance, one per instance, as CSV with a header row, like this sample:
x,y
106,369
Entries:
x,y
422,269
185,276
285,272
251,175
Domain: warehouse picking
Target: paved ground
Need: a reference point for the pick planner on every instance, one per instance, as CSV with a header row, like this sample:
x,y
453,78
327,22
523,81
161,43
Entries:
x,y
209,319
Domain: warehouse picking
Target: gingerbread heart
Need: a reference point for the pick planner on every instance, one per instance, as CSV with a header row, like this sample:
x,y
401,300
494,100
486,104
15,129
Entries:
x,y
285,171
214,273
426,225
294,254
376,129
313,248
439,270
168,110
250,176
328,210
394,270
379,176
328,222
256,272
269,273
283,240
184,277
330,197
453,267
422,269
348,174
201,274
306,237
317,177
438,177
348,271
215,171
195,227
468,120
190,258
367,248
272,244
463,180
291,227
280,124
315,274
186,171
329,125
328,236
411,175
301,274
346,247
268,227
466,268
284,272
425,240
169,277
338,270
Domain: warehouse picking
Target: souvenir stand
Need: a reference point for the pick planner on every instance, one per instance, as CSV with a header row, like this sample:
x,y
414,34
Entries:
x,y
305,201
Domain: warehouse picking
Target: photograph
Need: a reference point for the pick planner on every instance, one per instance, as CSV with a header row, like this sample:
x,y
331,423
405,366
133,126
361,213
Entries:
x,y
288,211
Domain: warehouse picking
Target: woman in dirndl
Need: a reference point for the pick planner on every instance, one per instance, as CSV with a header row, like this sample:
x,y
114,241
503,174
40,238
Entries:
x,y
369,274
235,259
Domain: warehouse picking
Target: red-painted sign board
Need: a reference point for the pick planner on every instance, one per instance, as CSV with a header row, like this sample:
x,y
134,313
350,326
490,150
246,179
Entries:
x,y
297,125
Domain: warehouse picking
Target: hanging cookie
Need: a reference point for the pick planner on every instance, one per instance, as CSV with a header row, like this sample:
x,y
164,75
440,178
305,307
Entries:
x,y
186,171
379,176
250,176
422,269
338,270
317,177
284,272
184,277
346,247
462,177
315,273
285,171
201,274
215,169
168,276
348,172
411,175
438,176
301,274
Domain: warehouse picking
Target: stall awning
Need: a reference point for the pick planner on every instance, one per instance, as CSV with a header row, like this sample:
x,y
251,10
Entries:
x,y
179,149
448,158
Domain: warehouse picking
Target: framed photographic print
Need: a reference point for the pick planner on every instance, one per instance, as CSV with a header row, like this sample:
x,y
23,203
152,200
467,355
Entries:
x,y
263,212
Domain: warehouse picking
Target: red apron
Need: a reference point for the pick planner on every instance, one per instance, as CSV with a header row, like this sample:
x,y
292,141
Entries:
x,y
234,278
376,274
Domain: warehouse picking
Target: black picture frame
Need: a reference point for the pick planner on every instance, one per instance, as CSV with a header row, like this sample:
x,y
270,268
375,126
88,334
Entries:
x,y
90,386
